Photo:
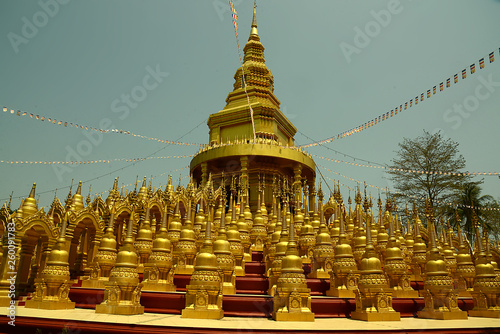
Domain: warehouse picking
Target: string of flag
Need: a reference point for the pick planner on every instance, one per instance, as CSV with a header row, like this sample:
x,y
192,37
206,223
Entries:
x,y
409,170
407,104
244,83
53,121
92,161
400,193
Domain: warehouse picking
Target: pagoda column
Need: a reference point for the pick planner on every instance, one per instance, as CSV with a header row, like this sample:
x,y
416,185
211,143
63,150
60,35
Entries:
x,y
297,183
204,174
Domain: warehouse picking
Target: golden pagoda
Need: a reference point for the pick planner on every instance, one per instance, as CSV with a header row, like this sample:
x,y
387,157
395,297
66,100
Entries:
x,y
158,271
204,292
373,296
292,300
186,247
250,136
465,272
343,278
144,241
225,260
52,287
104,259
486,291
396,269
122,294
440,297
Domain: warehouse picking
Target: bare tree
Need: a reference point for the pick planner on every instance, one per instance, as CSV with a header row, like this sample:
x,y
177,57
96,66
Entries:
x,y
419,167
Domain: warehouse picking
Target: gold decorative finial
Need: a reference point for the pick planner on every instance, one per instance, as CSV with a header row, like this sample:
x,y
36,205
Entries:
x,y
254,31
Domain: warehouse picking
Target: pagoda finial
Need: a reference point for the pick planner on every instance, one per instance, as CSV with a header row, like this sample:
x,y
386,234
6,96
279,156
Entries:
x,y
254,31
32,192
79,189
254,21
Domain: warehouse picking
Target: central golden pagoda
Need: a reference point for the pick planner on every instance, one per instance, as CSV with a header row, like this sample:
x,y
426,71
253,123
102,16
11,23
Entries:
x,y
236,149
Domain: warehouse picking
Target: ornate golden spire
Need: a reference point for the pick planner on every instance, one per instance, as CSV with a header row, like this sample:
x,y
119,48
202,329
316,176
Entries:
x,y
52,287
254,31
158,272
29,205
440,296
77,200
269,121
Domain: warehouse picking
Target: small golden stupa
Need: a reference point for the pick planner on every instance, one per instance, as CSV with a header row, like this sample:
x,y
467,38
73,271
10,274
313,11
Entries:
x,y
466,271
396,269
243,228
307,240
275,239
225,260
122,294
233,236
486,292
52,287
144,241
258,233
419,250
204,292
186,247
105,258
440,297
279,254
292,300
323,251
158,271
373,296
343,278
174,233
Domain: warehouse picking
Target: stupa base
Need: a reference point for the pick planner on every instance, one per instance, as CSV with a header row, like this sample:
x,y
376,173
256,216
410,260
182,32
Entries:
x,y
239,271
119,309
257,248
485,313
440,315
417,277
184,270
49,304
318,274
293,316
247,257
228,289
191,313
464,294
376,316
162,287
95,283
340,293
405,294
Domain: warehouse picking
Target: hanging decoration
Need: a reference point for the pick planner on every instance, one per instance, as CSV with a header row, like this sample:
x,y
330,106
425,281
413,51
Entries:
x,y
386,115
91,161
54,121
409,170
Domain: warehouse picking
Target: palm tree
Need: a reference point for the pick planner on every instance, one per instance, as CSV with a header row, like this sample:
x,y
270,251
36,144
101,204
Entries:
x,y
469,198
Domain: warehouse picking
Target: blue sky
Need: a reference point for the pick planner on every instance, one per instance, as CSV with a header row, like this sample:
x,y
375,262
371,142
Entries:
x,y
81,59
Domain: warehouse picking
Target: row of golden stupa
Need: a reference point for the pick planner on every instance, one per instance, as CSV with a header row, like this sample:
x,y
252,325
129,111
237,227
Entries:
x,y
251,190
188,231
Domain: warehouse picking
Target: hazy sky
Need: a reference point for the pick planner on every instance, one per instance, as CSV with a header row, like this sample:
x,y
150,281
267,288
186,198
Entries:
x,y
336,64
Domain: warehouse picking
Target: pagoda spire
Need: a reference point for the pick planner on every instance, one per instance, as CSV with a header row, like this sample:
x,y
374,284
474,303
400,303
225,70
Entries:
x,y
253,89
254,31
